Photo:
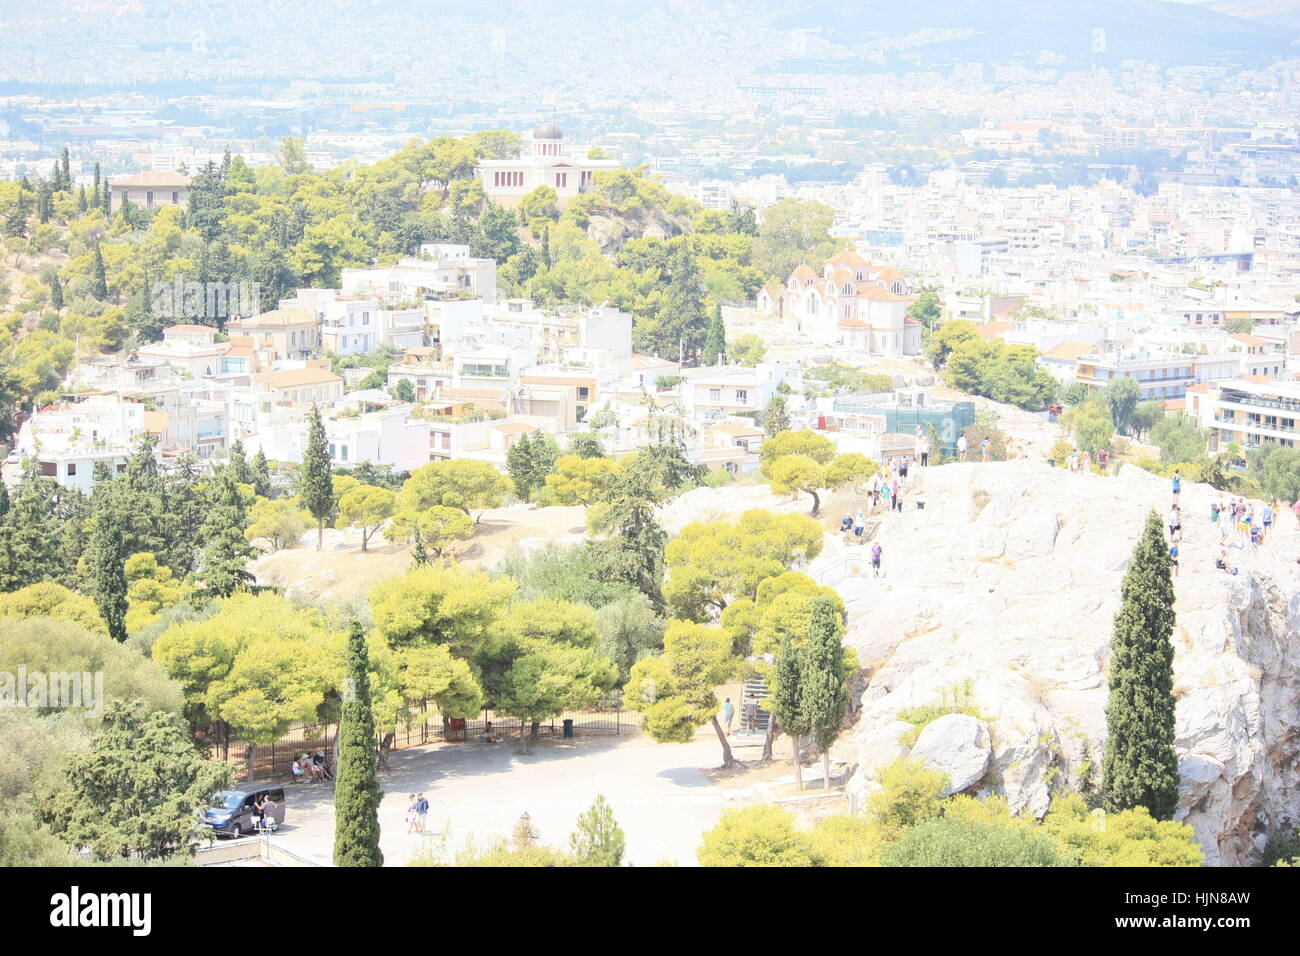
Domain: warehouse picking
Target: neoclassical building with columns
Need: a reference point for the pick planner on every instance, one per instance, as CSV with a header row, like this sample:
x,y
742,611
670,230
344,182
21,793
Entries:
x,y
546,160
853,303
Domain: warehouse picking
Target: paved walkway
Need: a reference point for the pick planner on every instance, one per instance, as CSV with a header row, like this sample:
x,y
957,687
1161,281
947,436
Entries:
x,y
660,796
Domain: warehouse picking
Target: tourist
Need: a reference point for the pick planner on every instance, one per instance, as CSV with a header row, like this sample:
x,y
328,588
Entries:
x,y
902,468
846,526
728,712
1297,511
1085,463
961,450
922,448
1173,557
751,715
898,499
877,552
1103,457
1178,484
266,810
412,820
1175,523
1268,517
1221,562
299,773
421,813
321,766
1215,508
986,446
859,526
885,496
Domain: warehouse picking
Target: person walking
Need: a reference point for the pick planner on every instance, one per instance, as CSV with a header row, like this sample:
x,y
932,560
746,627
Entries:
x,y
1175,523
421,814
1178,484
961,447
1173,557
728,712
877,552
411,818
859,526
922,448
986,446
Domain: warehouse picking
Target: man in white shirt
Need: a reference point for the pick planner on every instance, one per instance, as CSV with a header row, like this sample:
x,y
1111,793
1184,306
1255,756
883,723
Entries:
x,y
961,447
922,447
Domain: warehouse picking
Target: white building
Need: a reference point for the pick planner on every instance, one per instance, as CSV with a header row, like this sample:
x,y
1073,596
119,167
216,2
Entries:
x,y
853,304
547,160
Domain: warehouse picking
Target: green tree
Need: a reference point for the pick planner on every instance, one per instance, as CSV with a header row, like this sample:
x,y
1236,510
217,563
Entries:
x,y
108,583
1122,396
776,416
747,350
139,789
459,483
825,683
948,337
598,839
787,700
1090,425
1140,765
316,484
366,507
261,475
926,309
356,790
99,279
404,391
1145,416
715,337
793,231
419,556
529,461
1179,439
226,549
676,689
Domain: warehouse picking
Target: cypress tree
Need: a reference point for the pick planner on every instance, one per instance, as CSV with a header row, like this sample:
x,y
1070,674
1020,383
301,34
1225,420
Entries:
x,y
1140,767
776,416
65,172
100,287
787,700
316,489
825,693
419,556
56,292
261,475
356,792
107,574
82,204
106,200
715,337
238,464
225,550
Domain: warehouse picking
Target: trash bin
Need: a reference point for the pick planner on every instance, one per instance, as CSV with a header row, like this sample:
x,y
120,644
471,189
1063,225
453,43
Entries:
x,y
920,506
1052,462
568,728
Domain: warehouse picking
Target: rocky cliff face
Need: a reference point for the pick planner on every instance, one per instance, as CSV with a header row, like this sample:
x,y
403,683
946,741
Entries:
x,y
1000,595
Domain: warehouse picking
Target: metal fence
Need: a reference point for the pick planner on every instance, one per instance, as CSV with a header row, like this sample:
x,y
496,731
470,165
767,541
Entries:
x,y
275,760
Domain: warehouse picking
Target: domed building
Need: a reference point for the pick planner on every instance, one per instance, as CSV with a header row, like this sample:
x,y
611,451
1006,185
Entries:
x,y
546,160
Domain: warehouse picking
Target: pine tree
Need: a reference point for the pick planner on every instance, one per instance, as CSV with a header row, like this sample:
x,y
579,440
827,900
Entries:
x,y
107,575
598,839
715,337
1140,767
30,533
787,700
356,792
419,555
16,220
825,690
82,204
316,488
261,475
99,288
225,550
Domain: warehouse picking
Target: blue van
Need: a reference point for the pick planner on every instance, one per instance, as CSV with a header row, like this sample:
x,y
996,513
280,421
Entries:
x,y
234,812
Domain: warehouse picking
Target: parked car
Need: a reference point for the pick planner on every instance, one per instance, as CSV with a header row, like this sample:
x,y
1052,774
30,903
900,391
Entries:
x,y
233,811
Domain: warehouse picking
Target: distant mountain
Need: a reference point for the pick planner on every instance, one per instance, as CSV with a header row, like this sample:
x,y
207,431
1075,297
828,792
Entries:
x,y
1100,31
1284,14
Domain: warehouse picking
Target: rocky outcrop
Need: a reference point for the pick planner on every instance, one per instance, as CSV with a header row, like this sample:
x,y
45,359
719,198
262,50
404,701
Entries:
x,y
956,745
1000,596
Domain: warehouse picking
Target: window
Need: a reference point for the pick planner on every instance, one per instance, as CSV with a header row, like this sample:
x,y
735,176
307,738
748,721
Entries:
x,y
148,199
715,394
50,469
333,453
176,198
742,396
72,469
345,452
561,180
365,318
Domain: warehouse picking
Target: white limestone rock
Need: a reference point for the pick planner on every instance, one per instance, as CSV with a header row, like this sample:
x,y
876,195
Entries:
x,y
958,746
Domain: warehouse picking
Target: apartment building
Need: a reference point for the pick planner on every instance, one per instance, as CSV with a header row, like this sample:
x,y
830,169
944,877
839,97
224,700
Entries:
x,y
1247,412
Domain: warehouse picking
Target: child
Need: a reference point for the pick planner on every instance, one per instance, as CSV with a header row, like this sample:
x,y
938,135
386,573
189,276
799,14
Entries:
x,y
1173,558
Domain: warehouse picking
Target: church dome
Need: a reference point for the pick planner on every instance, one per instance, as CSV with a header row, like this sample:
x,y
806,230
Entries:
x,y
548,130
